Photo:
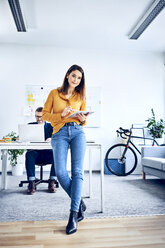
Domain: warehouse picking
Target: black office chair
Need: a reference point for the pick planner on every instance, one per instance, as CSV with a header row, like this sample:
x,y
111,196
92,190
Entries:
x,y
39,180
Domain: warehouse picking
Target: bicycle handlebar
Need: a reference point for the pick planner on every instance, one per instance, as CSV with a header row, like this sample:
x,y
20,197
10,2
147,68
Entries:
x,y
122,132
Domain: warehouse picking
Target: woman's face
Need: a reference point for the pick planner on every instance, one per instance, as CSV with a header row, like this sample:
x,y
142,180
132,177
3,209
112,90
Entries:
x,y
74,78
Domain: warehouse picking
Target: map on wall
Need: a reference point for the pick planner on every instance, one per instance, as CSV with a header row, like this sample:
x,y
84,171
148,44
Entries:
x,y
36,95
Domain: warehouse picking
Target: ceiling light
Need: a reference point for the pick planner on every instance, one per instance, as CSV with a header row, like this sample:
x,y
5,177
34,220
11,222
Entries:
x,y
17,15
148,17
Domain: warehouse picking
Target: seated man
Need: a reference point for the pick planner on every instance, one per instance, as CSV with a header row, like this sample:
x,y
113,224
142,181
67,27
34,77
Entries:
x,y
40,156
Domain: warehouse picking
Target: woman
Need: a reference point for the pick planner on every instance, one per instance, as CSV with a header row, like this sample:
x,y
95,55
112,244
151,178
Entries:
x,y
68,132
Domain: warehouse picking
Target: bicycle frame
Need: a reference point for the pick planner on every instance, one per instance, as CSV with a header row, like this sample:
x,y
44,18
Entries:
x,y
134,137
130,142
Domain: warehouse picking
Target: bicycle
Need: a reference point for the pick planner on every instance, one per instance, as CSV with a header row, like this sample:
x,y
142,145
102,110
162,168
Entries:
x,y
121,159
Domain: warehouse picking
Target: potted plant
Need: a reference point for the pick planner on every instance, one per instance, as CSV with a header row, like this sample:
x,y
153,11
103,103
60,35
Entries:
x,y
14,155
156,128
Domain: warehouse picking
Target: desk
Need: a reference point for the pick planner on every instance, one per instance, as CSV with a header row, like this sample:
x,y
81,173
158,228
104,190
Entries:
x,y
40,146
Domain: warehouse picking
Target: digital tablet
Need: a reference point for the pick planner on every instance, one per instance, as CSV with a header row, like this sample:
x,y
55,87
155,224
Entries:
x,y
77,112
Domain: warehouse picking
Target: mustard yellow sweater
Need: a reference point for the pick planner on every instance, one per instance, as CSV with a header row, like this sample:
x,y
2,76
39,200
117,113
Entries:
x,y
56,103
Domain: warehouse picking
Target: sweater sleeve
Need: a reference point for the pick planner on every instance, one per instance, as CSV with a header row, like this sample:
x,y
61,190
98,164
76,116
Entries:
x,y
47,114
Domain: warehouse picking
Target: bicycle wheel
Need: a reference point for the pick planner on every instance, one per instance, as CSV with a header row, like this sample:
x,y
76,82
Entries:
x,y
121,160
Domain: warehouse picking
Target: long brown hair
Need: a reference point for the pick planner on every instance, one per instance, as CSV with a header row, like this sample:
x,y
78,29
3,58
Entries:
x,y
80,88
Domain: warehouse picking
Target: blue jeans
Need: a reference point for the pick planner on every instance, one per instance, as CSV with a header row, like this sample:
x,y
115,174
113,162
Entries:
x,y
38,157
74,137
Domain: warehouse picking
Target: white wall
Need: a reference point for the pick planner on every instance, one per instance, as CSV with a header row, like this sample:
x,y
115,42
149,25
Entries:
x,y
132,83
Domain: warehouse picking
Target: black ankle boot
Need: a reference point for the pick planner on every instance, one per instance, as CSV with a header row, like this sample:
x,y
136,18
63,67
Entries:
x,y
81,211
72,223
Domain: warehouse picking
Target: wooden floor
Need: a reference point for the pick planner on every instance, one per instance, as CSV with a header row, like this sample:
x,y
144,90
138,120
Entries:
x,y
128,232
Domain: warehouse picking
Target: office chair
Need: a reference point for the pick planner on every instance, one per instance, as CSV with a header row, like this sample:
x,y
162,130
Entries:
x,y
39,180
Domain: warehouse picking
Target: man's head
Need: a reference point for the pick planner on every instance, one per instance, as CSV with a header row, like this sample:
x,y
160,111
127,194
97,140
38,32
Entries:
x,y
38,115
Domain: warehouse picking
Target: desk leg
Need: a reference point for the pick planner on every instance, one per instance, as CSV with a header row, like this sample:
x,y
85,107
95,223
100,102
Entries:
x,y
102,180
90,174
4,169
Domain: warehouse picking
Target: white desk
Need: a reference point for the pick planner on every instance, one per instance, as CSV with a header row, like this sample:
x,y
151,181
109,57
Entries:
x,y
40,146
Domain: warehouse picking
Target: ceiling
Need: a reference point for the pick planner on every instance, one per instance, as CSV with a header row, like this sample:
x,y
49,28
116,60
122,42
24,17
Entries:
x,y
97,24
